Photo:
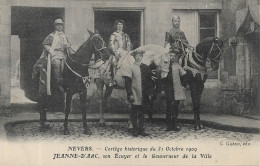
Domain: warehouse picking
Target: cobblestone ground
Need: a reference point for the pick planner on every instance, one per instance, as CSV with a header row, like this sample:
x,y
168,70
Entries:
x,y
118,130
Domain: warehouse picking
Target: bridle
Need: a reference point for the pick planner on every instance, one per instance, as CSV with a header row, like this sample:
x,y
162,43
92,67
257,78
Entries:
x,y
102,47
208,58
217,56
95,47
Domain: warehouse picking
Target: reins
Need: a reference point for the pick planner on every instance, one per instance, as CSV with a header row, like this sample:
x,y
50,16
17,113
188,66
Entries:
x,y
200,57
88,65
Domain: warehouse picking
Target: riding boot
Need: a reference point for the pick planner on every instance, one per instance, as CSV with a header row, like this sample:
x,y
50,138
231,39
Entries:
x,y
134,120
141,123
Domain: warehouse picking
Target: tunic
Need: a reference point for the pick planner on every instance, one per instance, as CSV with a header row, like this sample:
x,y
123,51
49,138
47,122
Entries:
x,y
120,40
173,37
54,44
141,82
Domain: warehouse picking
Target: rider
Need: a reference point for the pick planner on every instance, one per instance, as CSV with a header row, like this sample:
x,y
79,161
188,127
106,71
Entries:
x,y
175,37
55,45
119,40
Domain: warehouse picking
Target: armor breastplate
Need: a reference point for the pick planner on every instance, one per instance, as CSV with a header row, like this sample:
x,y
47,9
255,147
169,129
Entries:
x,y
120,41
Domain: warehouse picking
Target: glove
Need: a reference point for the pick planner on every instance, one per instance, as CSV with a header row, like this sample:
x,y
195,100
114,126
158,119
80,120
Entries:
x,y
131,99
67,45
162,93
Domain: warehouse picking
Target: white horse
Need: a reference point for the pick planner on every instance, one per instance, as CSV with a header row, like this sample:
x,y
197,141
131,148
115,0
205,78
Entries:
x,y
153,54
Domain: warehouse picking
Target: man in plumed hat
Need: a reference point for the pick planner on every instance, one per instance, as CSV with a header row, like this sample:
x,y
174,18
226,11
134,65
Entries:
x,y
138,83
119,40
55,45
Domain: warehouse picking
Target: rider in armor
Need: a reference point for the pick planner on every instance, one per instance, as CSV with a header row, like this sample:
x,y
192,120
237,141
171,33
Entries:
x,y
119,40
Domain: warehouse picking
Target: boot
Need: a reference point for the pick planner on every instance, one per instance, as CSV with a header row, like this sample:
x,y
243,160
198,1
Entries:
x,y
168,122
175,127
134,121
141,123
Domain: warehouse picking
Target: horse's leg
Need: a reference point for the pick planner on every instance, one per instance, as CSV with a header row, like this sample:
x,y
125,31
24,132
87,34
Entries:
x,y
83,109
150,109
196,89
108,93
67,111
100,85
200,90
176,104
195,104
42,106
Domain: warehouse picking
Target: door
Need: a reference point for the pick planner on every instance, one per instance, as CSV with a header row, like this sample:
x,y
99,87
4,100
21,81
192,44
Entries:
x,y
104,24
32,25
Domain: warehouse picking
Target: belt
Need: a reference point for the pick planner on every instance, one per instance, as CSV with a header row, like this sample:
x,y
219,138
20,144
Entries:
x,y
59,50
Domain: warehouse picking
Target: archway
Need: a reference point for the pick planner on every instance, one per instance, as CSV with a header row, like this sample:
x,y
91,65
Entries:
x,y
31,25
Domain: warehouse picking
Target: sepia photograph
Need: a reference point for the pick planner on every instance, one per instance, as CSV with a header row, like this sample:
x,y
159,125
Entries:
x,y
129,82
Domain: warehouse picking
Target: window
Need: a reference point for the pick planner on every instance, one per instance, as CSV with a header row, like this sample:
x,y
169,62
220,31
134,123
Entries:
x,y
208,25
208,28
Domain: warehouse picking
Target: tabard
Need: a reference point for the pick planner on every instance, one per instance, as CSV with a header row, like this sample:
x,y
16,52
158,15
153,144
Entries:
x,y
141,82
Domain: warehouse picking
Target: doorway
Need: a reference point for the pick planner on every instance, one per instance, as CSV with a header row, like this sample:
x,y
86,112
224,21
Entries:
x,y
104,24
29,27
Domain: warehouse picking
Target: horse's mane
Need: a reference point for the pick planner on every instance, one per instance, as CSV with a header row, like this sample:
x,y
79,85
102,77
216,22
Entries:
x,y
151,52
204,44
82,49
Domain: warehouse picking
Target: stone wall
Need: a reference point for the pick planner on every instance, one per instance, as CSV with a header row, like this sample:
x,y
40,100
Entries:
x,y
5,50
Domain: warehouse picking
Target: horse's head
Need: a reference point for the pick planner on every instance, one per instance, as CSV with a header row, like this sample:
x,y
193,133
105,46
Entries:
x,y
211,47
215,53
99,46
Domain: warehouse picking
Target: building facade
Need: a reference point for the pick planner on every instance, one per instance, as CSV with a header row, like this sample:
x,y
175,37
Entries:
x,y
236,21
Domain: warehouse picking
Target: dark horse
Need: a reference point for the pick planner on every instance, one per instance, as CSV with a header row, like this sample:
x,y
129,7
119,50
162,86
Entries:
x,y
75,77
209,48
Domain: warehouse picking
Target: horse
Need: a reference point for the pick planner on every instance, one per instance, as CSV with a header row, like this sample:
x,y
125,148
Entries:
x,y
155,56
207,50
76,79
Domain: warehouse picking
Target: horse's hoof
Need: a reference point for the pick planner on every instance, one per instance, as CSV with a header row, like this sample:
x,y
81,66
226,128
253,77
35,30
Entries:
x,y
43,128
87,132
130,130
102,124
196,127
66,132
201,127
